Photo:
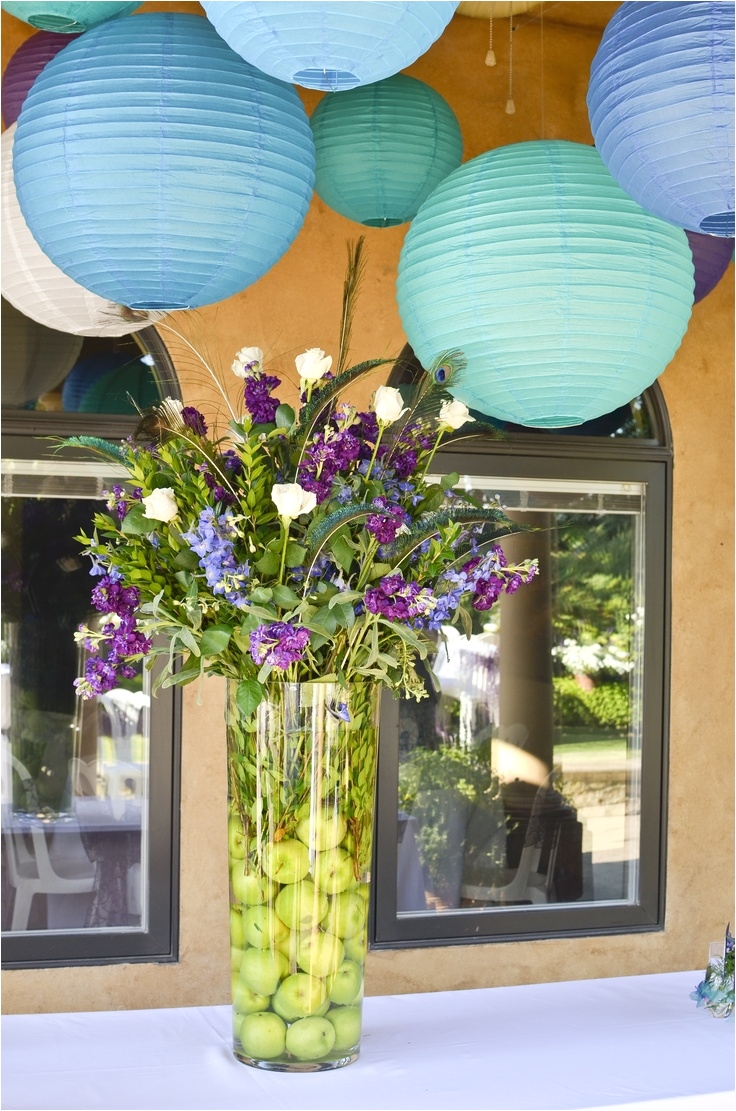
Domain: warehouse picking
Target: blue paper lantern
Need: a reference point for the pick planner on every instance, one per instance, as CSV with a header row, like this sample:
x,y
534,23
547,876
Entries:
x,y
381,149
330,46
567,298
87,372
158,169
661,105
711,258
67,19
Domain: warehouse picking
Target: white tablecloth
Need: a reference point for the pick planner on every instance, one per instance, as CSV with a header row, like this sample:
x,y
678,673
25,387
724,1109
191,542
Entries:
x,y
585,1044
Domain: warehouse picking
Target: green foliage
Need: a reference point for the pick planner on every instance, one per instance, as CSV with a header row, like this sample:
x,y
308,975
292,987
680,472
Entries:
x,y
605,706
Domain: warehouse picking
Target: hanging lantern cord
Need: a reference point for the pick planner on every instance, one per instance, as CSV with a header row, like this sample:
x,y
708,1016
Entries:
x,y
490,56
510,106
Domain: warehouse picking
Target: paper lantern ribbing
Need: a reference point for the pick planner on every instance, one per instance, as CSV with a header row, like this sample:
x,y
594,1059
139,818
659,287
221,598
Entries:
x,y
711,256
567,298
157,168
381,149
40,290
35,359
330,45
67,18
25,66
661,106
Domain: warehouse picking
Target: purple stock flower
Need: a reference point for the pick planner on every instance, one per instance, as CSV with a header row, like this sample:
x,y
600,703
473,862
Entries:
x,y
119,636
194,420
398,600
278,644
110,596
384,526
259,403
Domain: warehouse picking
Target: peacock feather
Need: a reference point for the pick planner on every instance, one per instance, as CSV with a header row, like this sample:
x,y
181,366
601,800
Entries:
x,y
428,525
310,414
96,444
320,532
424,403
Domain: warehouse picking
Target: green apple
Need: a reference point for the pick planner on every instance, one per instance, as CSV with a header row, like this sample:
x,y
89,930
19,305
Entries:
x,y
319,954
249,888
310,1039
299,995
263,1035
261,969
346,915
288,946
286,861
346,983
300,906
333,870
236,956
236,928
362,889
245,1000
356,947
347,1024
322,829
235,839
263,927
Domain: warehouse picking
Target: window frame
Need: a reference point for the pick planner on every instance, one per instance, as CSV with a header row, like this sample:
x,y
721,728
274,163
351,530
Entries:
x,y
24,437
525,456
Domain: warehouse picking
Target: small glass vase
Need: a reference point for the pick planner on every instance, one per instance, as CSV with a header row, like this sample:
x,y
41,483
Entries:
x,y
302,772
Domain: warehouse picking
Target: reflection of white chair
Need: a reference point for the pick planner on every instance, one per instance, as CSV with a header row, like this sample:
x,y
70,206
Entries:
x,y
58,870
526,884
123,775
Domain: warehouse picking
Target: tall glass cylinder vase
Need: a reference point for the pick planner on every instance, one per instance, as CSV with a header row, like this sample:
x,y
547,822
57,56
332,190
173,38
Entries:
x,y
302,773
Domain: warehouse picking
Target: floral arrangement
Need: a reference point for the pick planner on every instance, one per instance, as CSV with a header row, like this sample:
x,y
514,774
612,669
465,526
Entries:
x,y
300,545
716,991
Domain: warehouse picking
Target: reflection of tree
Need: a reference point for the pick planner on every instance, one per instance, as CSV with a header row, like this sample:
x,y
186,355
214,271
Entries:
x,y
592,578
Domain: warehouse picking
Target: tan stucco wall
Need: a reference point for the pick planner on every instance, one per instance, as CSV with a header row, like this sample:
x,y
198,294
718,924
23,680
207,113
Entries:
x,y
296,305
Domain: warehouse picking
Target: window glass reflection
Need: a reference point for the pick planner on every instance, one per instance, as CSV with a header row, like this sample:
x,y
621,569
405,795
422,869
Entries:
x,y
519,783
74,773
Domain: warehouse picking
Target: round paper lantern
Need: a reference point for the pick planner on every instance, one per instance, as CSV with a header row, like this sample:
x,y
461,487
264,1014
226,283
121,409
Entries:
x,y
157,168
330,46
25,66
40,290
711,256
567,298
35,359
87,372
381,149
124,390
661,105
66,19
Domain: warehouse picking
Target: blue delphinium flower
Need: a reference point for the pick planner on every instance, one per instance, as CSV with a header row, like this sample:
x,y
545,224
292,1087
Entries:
x,y
212,542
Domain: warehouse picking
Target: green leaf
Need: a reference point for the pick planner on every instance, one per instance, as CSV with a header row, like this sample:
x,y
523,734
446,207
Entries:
x,y
215,639
284,596
184,634
136,524
187,559
285,416
268,564
449,480
326,618
342,552
295,554
261,594
186,674
248,695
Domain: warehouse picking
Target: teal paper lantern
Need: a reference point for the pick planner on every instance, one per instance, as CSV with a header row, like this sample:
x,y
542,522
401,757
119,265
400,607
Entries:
x,y
381,149
159,170
67,19
567,298
330,44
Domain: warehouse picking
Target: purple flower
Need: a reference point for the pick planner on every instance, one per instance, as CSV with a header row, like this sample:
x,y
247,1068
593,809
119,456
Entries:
x,y
486,592
398,600
384,526
278,644
212,542
259,403
110,596
194,420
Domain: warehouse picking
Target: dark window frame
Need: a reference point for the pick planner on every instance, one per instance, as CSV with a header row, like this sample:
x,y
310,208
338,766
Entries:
x,y
23,438
529,455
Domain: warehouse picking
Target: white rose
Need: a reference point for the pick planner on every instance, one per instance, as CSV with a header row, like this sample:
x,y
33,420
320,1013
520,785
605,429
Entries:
x,y
291,499
247,361
313,364
388,404
161,505
454,414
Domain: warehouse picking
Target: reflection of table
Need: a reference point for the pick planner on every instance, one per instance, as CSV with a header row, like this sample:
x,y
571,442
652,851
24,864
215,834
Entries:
x,y
550,1046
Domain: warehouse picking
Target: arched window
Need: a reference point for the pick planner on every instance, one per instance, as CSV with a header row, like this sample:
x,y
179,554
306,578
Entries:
x,y
90,788
525,798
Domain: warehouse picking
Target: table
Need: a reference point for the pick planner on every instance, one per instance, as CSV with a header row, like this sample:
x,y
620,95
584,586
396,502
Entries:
x,y
584,1044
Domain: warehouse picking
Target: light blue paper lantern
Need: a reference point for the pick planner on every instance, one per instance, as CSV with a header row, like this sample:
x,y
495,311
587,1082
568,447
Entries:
x,y
661,106
567,298
158,169
381,149
67,19
330,46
